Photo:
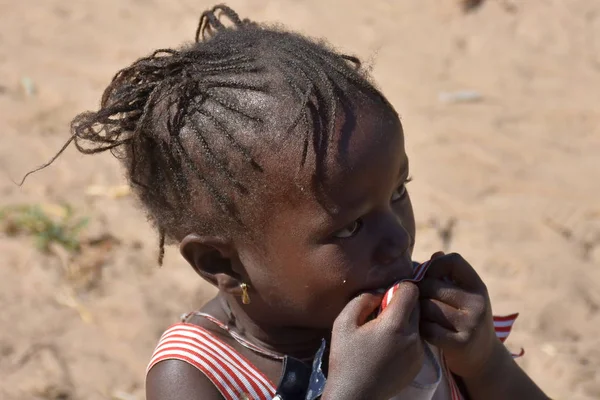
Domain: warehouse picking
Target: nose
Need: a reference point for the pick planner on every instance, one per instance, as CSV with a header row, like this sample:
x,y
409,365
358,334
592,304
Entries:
x,y
394,242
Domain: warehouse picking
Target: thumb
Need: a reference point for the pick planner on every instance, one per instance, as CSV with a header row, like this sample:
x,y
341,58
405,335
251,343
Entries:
x,y
358,310
403,310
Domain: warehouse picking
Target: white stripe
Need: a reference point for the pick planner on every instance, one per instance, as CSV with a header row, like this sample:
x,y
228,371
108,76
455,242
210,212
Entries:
x,y
388,296
199,361
234,355
242,373
207,337
174,328
175,347
504,324
207,352
194,354
221,350
193,346
502,335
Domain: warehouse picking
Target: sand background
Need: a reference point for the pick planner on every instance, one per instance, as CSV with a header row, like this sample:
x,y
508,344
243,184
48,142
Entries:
x,y
512,181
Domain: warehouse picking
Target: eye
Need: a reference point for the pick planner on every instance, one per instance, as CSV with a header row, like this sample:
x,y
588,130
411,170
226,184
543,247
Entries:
x,y
349,230
400,191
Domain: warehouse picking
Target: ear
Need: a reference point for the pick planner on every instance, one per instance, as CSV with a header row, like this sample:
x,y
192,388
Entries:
x,y
214,259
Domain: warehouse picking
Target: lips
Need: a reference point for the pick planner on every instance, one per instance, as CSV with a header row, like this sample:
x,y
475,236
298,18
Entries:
x,y
418,274
381,278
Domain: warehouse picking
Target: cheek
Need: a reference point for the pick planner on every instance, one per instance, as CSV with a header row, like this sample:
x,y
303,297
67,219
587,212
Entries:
x,y
340,272
317,273
409,217
404,211
324,274
308,285
308,289
345,267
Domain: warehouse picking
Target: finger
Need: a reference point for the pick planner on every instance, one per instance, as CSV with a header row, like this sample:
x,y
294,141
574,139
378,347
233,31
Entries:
x,y
437,254
440,313
401,310
415,317
437,335
358,310
445,292
455,267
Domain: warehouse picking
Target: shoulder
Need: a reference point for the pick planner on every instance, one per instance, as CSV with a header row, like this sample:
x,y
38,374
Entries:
x,y
178,380
175,370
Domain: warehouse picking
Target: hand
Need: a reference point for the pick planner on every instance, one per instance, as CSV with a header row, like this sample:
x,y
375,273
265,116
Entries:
x,y
456,315
378,358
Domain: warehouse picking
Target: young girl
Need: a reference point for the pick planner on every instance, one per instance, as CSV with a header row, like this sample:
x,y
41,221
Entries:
x,y
280,171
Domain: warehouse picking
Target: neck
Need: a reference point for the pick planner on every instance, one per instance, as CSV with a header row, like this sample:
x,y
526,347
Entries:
x,y
300,343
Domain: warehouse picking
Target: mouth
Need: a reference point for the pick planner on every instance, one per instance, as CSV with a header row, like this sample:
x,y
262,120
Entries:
x,y
381,278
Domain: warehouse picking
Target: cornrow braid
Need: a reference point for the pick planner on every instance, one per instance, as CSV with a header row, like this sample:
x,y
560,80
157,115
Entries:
x,y
200,88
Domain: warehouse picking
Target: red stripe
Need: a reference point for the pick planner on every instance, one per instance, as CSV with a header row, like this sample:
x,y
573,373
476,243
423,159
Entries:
x,y
521,353
503,328
506,318
201,352
213,364
204,370
208,344
217,346
233,353
454,391
252,380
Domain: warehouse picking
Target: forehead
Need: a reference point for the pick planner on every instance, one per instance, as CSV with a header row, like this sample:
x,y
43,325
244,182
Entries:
x,y
368,144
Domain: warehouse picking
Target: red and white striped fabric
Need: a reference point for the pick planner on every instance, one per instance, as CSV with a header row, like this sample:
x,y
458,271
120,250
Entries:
x,y
503,326
234,376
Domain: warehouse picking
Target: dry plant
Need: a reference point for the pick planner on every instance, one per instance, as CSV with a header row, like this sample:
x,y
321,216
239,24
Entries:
x,y
58,231
48,224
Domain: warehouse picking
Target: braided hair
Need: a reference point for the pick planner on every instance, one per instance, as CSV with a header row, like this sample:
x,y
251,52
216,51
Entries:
x,y
209,90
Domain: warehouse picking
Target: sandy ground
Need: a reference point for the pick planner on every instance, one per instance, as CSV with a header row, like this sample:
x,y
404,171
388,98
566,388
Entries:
x,y
517,171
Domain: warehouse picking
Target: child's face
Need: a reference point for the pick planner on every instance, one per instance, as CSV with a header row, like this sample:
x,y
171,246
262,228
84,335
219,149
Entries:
x,y
314,261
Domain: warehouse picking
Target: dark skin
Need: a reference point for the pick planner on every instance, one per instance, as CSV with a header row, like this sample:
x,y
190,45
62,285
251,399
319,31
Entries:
x,y
456,316
314,272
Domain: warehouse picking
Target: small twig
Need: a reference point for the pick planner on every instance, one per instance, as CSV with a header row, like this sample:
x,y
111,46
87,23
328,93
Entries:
x,y
445,232
68,299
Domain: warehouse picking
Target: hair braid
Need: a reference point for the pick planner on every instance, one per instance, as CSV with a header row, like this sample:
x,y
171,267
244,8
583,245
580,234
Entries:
x,y
204,87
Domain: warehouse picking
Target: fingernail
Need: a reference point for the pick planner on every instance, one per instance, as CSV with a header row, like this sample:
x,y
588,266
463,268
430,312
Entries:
x,y
437,254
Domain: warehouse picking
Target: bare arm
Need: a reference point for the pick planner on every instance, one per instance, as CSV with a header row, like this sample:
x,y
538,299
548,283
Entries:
x,y
503,379
177,380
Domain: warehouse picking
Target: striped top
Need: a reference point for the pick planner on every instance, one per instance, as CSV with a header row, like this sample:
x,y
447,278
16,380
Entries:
x,y
236,378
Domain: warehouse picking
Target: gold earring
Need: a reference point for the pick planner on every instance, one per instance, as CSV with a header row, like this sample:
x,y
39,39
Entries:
x,y
245,295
